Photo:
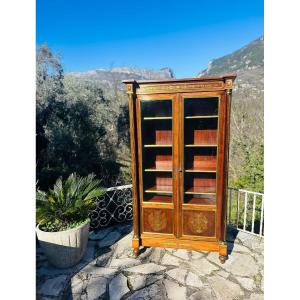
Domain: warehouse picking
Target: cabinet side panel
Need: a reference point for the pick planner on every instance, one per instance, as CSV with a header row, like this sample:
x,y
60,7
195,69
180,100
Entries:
x,y
134,162
226,163
221,168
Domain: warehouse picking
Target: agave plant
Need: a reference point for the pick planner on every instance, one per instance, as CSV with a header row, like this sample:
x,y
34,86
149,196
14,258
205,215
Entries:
x,y
68,204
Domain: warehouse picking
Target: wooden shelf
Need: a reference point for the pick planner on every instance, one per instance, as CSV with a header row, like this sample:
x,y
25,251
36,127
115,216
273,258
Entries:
x,y
202,190
201,117
158,170
157,145
163,189
202,170
158,118
159,198
200,145
201,201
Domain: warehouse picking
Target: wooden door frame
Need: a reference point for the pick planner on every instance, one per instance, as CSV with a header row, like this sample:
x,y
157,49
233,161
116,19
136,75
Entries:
x,y
153,97
220,165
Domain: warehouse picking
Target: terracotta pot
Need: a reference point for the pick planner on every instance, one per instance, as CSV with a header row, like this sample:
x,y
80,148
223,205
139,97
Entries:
x,y
64,248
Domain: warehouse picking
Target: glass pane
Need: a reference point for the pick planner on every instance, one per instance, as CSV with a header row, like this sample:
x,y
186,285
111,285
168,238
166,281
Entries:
x,y
157,164
201,107
200,150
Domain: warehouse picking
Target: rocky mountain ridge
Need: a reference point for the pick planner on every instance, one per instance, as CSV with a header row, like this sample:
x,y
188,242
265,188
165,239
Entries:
x,y
247,113
114,76
247,63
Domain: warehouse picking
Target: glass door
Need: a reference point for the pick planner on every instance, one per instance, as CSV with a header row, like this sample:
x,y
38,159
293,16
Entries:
x,y
156,144
200,123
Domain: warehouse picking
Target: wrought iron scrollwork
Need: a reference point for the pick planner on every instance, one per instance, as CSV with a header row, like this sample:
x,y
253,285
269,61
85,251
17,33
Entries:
x,y
113,206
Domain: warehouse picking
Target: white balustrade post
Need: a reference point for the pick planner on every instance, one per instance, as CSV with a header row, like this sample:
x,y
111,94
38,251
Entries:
x,y
253,212
230,200
245,210
261,215
238,210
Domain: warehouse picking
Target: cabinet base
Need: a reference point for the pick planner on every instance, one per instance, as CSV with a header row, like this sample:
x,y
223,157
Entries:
x,y
214,246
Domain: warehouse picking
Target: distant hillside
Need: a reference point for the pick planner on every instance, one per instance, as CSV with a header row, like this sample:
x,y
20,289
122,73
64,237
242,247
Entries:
x,y
108,78
249,57
247,115
248,63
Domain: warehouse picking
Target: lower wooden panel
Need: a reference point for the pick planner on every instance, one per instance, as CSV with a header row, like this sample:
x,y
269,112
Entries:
x,y
199,223
158,220
185,244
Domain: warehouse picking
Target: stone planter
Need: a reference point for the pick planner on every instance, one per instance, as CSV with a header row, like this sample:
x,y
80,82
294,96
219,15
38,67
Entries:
x,y
64,248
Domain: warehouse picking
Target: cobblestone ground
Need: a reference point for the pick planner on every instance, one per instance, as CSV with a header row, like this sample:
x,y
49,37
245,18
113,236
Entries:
x,y
110,271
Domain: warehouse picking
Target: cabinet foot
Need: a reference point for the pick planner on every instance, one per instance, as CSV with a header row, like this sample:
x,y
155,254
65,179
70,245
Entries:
x,y
136,252
222,259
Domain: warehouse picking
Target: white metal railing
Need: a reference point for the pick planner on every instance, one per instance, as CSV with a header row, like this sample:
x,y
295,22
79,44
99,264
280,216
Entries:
x,y
245,209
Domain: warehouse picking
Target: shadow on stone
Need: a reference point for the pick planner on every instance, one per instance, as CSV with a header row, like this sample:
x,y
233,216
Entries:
x,y
230,238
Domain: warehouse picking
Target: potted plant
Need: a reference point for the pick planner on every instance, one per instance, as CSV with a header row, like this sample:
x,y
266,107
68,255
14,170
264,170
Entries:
x,y
63,218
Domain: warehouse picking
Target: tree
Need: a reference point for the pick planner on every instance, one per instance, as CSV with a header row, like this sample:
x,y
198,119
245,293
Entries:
x,y
49,90
73,126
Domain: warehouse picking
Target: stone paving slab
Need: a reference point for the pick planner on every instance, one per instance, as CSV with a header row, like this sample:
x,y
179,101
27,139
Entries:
x,y
109,270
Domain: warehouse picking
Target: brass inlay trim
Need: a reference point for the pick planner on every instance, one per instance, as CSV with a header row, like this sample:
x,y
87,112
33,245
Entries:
x,y
158,170
161,235
180,87
195,145
228,83
157,118
200,171
201,117
158,191
156,146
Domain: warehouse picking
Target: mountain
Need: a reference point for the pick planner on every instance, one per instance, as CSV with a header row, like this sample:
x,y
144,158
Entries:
x,y
247,63
249,57
110,77
247,113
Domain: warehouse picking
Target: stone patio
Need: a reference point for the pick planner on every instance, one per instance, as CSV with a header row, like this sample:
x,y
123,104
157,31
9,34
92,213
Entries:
x,y
110,271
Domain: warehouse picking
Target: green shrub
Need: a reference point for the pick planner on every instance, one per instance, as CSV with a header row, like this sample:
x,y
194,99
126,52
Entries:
x,y
252,169
68,204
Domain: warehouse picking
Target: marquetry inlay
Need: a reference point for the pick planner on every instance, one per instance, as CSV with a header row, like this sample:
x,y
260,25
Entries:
x,y
157,220
129,88
228,83
198,223
184,87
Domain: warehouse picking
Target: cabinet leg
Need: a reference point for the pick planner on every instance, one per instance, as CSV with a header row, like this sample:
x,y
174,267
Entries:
x,y
136,252
222,259
136,246
222,252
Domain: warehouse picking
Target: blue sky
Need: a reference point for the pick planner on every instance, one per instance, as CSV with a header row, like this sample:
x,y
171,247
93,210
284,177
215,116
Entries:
x,y
182,35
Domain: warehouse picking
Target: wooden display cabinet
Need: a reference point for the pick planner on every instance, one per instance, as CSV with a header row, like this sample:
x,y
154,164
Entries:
x,y
179,130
